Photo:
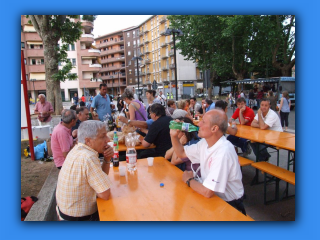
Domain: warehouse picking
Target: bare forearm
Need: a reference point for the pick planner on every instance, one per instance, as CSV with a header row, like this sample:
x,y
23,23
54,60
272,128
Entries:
x,y
106,167
178,148
199,188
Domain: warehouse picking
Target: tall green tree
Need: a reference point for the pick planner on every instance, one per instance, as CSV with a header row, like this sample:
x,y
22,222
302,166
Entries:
x,y
52,28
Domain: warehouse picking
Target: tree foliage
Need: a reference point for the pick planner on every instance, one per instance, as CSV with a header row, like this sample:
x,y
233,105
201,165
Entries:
x,y
237,44
89,18
52,28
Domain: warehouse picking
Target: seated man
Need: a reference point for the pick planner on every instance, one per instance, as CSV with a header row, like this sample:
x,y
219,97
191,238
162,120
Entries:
x,y
245,115
223,105
158,133
219,166
61,139
265,118
83,115
82,178
209,104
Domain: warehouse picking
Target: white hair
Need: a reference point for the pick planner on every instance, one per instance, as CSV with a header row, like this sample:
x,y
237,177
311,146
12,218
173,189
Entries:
x,y
42,95
89,129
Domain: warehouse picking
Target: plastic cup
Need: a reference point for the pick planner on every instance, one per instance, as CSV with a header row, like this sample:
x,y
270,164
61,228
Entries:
x,y
122,170
150,161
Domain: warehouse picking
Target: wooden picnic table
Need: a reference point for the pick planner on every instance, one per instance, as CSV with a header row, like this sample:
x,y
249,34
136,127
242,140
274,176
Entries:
x,y
139,197
283,143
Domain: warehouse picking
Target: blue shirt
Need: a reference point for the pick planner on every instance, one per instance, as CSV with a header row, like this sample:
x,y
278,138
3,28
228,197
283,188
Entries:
x,y
102,105
212,106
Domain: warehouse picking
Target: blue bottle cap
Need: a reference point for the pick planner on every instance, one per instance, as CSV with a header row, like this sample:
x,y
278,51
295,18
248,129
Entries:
x,y
161,184
115,132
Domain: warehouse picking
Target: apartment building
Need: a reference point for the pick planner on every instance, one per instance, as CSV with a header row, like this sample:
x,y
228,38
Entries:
x,y
82,55
132,49
157,51
112,58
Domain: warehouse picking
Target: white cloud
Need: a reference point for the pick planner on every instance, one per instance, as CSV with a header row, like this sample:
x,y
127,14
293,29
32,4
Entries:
x,y
105,24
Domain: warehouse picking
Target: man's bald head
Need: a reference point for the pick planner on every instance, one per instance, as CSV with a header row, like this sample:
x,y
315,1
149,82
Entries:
x,y
219,118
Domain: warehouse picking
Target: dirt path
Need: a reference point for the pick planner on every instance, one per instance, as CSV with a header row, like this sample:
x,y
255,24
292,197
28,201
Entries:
x,y
33,176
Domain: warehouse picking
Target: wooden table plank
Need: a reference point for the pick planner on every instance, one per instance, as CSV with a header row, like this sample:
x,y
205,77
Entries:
x,y
139,197
123,147
283,143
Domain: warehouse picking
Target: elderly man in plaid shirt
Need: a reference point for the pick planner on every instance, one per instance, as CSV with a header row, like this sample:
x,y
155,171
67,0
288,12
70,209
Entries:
x,y
82,177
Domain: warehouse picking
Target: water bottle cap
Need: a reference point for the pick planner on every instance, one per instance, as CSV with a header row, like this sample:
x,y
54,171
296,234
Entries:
x,y
161,184
115,131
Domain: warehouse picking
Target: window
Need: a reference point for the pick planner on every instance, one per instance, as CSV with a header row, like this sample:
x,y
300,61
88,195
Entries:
x,y
25,61
129,53
112,55
130,71
22,44
42,61
129,62
134,34
128,44
74,62
33,61
31,46
134,43
72,47
130,80
134,53
128,34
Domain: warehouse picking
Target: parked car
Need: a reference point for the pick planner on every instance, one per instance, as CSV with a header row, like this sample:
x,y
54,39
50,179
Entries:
x,y
225,93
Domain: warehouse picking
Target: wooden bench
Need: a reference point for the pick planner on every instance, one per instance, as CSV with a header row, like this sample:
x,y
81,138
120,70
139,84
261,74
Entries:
x,y
244,161
277,172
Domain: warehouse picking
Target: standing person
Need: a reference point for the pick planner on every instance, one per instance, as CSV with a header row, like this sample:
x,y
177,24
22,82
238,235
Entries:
x,y
120,103
284,110
242,94
245,116
219,166
61,139
150,94
273,100
75,99
265,118
162,98
136,108
83,98
251,98
158,133
82,179
101,103
259,97
231,99
44,110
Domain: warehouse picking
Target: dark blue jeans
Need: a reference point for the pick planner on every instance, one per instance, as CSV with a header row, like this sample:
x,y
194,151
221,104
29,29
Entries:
x,y
263,153
238,142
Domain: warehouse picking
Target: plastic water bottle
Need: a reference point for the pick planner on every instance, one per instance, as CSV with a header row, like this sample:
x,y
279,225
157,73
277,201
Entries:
x,y
233,123
185,127
131,155
115,150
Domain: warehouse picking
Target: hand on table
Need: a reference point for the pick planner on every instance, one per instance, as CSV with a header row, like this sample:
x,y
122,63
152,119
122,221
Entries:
x,y
187,175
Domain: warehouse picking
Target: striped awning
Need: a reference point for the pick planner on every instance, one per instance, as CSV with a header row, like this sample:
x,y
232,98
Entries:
x,y
38,76
34,43
29,28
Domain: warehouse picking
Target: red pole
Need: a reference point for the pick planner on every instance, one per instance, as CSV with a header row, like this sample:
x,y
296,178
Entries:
x,y
26,102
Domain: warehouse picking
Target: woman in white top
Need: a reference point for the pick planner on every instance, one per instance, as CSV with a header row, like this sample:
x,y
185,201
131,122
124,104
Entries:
x,y
284,110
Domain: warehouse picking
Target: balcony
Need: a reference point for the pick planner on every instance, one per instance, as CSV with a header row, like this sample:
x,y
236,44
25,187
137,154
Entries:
x,y
109,43
142,53
171,52
146,41
32,37
34,53
170,40
36,68
90,52
146,30
147,61
141,44
148,82
89,38
147,51
114,59
162,32
90,67
36,85
164,44
141,33
172,66
113,50
165,68
86,24
148,72
143,73
163,19
88,83
164,56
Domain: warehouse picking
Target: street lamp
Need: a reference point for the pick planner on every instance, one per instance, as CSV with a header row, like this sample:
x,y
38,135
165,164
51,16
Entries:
x,y
137,59
112,84
180,33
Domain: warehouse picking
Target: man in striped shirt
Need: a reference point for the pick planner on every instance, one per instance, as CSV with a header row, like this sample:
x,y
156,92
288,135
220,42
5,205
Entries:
x,y
82,177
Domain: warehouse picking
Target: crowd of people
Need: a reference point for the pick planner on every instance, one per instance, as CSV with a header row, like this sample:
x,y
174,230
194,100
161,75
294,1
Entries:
x,y
208,157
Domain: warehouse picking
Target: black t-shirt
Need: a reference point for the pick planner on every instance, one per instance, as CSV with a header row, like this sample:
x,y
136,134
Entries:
x,y
159,135
200,110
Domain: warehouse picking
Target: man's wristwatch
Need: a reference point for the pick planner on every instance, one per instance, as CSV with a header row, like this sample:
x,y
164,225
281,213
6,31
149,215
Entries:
x,y
129,121
188,181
